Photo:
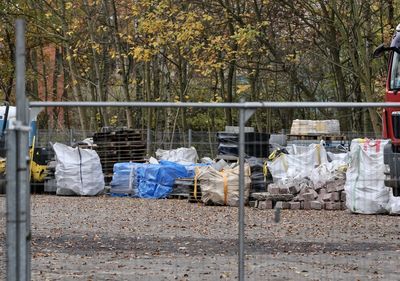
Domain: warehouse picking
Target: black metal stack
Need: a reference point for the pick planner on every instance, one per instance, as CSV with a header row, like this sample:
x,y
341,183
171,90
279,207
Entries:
x,y
256,144
257,149
260,176
118,146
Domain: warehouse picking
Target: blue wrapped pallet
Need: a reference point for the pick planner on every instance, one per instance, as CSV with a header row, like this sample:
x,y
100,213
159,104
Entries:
x,y
147,180
124,181
157,180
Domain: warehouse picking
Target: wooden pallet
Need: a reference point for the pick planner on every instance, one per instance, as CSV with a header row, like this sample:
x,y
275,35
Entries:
x,y
195,199
119,146
178,196
136,143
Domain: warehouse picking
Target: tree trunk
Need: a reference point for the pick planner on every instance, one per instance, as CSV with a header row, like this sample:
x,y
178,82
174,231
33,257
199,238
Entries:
x,y
74,79
118,46
95,61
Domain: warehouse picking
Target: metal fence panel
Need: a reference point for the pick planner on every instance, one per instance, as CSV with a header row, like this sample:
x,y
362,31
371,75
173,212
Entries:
x,y
116,237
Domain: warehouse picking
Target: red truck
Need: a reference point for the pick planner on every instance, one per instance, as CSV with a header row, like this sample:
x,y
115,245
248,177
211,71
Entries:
x,y
391,115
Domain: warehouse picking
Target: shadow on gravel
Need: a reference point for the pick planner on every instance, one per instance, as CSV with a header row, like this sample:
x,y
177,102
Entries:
x,y
81,245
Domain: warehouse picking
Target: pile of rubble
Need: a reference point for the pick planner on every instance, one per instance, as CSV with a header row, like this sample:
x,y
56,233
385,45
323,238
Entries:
x,y
302,195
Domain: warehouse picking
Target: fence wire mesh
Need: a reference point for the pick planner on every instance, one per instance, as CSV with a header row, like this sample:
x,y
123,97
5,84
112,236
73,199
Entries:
x,y
300,229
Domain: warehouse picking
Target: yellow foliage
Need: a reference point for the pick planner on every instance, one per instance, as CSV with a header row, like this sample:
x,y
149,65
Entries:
x,y
114,120
242,88
68,5
142,54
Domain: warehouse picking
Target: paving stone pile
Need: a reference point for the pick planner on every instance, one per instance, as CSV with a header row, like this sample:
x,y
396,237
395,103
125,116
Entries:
x,y
302,195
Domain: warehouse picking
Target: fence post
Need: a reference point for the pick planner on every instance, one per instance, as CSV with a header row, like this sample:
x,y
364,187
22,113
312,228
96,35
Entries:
x,y
71,136
148,142
18,188
241,193
190,138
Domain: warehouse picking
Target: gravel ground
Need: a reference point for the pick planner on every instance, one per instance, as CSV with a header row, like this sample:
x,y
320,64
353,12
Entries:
x,y
103,238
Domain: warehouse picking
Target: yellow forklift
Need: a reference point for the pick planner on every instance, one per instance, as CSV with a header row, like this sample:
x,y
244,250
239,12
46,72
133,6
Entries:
x,y
38,155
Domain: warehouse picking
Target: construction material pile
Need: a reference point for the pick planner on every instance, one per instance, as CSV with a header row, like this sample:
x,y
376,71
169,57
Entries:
x,y
305,178
155,179
146,180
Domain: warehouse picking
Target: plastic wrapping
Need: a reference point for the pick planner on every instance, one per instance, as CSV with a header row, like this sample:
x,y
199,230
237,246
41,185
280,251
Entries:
x,y
156,181
124,179
304,127
181,155
78,171
393,206
366,192
258,174
298,165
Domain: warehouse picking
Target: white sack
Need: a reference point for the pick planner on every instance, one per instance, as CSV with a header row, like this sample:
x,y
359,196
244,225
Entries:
x,y
181,155
78,171
393,207
298,165
366,192
222,188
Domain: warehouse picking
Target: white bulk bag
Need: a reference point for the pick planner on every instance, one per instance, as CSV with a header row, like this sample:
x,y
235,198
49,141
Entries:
x,y
298,165
393,207
366,192
222,187
180,155
78,171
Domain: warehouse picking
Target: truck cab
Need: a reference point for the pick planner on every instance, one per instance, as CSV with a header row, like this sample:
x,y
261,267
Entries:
x,y
391,116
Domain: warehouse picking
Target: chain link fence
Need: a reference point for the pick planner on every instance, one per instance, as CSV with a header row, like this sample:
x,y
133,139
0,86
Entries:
x,y
205,142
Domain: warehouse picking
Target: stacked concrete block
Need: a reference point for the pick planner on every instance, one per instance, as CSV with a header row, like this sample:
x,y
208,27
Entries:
x,y
294,205
282,205
316,205
276,197
303,195
265,204
273,189
335,196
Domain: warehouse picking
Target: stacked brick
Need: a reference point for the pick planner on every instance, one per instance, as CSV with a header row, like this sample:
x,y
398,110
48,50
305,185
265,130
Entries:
x,y
302,195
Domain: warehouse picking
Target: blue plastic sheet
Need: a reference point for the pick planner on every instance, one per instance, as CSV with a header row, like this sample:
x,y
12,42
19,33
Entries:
x,y
148,180
157,180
